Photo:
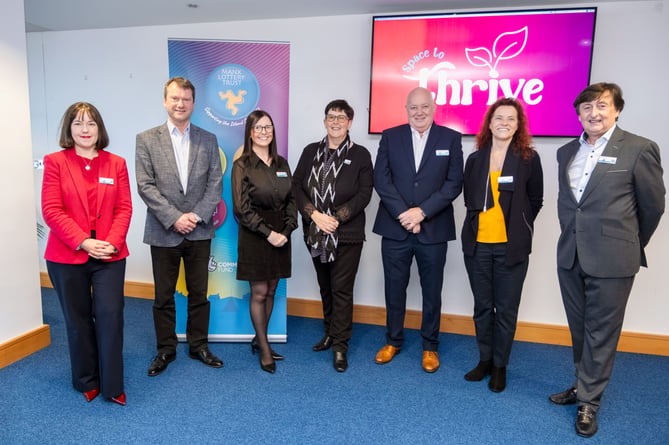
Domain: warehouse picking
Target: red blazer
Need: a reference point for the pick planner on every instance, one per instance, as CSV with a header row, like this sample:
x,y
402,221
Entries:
x,y
65,206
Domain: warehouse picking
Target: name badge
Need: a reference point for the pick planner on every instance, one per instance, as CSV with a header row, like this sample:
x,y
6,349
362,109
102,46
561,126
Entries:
x,y
281,174
505,180
443,152
607,160
347,161
109,181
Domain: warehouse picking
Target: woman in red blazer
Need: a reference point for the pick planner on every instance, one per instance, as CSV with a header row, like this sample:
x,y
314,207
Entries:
x,y
86,203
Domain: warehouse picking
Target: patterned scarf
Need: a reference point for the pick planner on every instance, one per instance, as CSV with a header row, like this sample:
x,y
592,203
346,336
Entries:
x,y
325,168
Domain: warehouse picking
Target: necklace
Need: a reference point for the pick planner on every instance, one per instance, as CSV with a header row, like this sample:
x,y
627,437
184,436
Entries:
x,y
87,162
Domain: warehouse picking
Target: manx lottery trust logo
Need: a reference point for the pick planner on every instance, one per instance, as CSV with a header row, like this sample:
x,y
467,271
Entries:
x,y
232,91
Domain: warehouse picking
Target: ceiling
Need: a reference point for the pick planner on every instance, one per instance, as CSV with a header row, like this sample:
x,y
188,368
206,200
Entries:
x,y
62,15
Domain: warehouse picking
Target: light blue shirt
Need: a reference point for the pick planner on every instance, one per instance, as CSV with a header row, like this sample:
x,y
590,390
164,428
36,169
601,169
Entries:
x,y
584,162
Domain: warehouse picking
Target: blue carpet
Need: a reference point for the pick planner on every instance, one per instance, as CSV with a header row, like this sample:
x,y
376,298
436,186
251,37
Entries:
x,y
307,401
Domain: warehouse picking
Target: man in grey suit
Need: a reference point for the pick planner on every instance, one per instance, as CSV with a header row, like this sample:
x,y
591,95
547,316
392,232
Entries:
x,y
610,200
179,178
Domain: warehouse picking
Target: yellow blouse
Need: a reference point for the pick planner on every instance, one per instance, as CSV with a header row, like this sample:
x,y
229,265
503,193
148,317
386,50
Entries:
x,y
492,228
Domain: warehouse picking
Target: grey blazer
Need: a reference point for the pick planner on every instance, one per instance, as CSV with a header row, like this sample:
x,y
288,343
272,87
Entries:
x,y
159,186
619,210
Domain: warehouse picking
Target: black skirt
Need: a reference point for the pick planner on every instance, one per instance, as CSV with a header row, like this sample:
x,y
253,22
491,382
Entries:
x,y
257,259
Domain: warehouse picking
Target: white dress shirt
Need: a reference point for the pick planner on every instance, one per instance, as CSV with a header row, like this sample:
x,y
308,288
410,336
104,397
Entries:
x,y
419,141
181,145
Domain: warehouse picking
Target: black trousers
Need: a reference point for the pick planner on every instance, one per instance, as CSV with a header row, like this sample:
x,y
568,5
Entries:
x,y
336,281
166,262
497,288
91,296
397,259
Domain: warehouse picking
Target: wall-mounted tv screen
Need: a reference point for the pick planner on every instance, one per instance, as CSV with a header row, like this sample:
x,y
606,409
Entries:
x,y
469,60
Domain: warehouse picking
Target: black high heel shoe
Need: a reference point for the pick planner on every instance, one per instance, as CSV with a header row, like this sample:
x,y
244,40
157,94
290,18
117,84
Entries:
x,y
255,347
268,367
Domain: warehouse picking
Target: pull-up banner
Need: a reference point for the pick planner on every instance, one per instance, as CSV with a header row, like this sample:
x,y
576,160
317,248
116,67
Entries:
x,y
232,79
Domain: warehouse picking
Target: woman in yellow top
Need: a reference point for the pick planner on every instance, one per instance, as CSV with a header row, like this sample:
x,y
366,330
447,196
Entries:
x,y
503,191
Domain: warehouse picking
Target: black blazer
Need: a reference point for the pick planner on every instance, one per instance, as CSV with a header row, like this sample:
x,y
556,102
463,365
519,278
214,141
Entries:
x,y
520,200
353,190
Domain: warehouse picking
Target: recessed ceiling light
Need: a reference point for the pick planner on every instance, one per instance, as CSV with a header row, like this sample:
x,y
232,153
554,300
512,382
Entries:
x,y
192,5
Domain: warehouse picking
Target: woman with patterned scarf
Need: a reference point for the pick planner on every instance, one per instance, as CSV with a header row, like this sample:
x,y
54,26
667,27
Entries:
x,y
333,184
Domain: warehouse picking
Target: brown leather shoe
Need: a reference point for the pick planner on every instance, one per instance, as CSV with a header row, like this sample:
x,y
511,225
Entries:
x,y
386,354
430,361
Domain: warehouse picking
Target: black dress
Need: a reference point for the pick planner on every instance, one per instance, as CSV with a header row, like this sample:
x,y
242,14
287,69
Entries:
x,y
263,201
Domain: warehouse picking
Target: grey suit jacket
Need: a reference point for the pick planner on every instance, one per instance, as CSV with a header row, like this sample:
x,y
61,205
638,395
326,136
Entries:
x,y
159,186
620,208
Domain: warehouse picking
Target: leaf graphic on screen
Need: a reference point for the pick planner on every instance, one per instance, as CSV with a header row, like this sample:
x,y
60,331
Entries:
x,y
509,44
506,46
479,57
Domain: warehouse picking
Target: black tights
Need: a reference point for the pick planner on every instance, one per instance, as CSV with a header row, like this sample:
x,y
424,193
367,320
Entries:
x,y
262,303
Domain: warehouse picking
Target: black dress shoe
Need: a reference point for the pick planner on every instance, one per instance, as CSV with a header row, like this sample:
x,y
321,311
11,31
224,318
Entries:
x,y
586,421
497,381
339,361
160,362
206,357
477,374
324,344
567,397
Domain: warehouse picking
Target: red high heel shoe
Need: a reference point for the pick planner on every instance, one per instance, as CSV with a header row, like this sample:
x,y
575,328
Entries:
x,y
90,395
119,399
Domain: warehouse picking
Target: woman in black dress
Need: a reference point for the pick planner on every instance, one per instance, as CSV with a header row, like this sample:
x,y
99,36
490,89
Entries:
x,y
265,210
333,185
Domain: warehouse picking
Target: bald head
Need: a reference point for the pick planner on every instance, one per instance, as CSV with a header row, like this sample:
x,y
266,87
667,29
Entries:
x,y
420,109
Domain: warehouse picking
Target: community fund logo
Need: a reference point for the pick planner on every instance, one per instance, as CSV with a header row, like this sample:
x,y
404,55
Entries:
x,y
455,89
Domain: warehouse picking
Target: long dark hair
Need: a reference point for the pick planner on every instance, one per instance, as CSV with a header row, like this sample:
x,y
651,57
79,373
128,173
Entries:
x,y
251,122
521,142
66,140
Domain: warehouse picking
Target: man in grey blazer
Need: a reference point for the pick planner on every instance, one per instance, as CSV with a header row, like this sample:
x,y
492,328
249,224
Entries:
x,y
179,178
610,200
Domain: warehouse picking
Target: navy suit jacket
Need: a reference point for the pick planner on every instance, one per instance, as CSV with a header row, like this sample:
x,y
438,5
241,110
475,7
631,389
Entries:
x,y
619,210
433,187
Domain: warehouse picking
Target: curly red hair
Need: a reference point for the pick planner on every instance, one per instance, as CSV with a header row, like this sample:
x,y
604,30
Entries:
x,y
521,143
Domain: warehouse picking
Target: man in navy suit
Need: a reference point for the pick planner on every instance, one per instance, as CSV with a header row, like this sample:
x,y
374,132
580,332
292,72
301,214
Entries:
x,y
179,178
418,174
610,200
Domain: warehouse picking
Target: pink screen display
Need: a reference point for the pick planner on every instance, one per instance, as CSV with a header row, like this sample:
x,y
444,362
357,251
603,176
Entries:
x,y
470,60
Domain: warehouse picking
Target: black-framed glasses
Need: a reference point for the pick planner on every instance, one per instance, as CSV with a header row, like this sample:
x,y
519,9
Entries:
x,y
336,117
261,128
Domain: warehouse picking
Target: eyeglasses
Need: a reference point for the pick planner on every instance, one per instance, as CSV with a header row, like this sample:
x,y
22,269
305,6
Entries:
x,y
261,128
336,117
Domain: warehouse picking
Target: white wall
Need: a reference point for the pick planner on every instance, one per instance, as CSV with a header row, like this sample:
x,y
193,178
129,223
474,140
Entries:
x,y
122,72
20,303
